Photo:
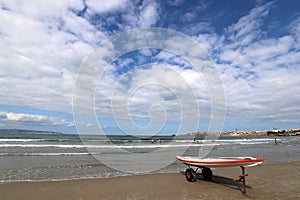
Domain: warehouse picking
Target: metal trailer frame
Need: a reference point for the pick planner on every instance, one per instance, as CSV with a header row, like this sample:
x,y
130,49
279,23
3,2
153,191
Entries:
x,y
191,174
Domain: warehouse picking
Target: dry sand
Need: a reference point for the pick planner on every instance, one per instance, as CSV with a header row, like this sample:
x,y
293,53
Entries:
x,y
269,181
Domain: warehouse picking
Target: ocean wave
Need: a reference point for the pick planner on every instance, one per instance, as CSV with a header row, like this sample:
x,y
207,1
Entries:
x,y
19,140
137,146
239,140
44,154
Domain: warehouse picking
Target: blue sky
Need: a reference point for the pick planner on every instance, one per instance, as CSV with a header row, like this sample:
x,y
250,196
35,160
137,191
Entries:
x,y
255,46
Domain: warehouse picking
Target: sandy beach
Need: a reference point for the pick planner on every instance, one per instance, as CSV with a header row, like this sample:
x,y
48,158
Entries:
x,y
268,181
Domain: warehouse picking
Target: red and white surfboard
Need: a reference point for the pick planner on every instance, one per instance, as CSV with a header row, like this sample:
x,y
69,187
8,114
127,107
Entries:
x,y
221,161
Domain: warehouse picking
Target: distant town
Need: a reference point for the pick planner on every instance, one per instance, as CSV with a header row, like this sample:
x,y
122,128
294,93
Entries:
x,y
274,132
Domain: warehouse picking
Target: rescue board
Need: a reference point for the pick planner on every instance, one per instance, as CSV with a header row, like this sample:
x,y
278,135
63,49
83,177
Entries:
x,y
220,161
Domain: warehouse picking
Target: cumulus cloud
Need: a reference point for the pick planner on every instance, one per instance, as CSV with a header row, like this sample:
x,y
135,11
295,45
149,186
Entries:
x,y
258,71
152,94
42,45
135,93
43,52
12,119
105,6
149,14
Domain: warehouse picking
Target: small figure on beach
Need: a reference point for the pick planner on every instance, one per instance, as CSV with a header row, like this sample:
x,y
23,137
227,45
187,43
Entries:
x,y
154,141
276,141
196,141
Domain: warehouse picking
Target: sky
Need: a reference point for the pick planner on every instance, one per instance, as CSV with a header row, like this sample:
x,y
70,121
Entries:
x,y
254,46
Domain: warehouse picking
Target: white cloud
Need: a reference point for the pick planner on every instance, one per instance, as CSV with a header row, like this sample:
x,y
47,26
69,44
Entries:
x,y
175,90
149,14
247,29
42,45
105,6
258,72
82,29
41,52
11,119
38,9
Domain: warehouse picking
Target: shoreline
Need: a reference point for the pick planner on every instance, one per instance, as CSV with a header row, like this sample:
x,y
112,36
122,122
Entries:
x,y
268,181
3,182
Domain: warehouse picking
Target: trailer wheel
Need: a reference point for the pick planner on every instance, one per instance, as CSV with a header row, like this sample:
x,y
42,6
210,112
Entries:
x,y
190,175
207,174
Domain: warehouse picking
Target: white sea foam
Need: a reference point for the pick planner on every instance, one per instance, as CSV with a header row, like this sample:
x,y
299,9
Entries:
x,y
36,143
136,146
45,154
45,145
19,140
238,140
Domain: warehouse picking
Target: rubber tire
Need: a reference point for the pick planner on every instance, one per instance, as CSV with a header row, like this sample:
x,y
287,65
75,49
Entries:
x,y
190,175
207,174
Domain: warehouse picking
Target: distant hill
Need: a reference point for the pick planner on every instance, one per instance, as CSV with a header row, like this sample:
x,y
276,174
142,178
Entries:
x,y
23,131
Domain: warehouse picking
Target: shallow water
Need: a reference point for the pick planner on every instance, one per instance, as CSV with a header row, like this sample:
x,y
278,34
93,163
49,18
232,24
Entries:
x,y
59,157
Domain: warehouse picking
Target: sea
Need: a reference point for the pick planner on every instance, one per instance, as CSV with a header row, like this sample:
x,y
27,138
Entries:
x,y
44,157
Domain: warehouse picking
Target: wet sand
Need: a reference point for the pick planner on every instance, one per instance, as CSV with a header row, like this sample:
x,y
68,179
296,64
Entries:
x,y
268,181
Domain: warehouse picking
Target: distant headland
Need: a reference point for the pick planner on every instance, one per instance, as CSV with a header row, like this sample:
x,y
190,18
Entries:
x,y
24,131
